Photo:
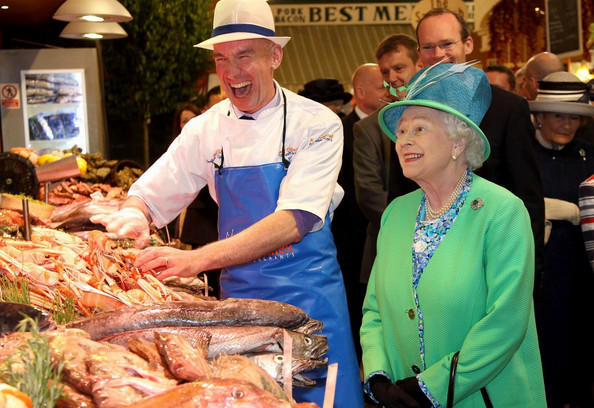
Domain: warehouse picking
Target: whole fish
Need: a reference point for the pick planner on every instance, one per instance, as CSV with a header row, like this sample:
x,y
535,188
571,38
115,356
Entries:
x,y
215,393
243,368
234,339
11,314
148,351
229,312
106,366
185,361
273,364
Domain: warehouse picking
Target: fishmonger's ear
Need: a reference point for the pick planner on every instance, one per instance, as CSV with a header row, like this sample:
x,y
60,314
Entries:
x,y
277,55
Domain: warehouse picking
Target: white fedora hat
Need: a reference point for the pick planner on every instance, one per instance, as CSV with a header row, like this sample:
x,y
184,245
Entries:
x,y
242,20
563,92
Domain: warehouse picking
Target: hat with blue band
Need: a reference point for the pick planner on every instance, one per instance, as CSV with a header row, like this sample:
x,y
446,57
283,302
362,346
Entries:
x,y
236,20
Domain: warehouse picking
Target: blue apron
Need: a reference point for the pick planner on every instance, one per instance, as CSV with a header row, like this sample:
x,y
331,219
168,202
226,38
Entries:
x,y
304,274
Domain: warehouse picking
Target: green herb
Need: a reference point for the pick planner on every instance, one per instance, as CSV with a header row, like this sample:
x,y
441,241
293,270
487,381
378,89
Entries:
x,y
14,290
64,311
23,196
35,375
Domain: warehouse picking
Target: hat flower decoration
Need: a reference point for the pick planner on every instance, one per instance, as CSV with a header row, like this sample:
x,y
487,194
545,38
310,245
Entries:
x,y
458,89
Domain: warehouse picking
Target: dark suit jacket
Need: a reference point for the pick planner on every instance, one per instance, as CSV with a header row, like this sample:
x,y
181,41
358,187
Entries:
x,y
349,223
512,164
378,180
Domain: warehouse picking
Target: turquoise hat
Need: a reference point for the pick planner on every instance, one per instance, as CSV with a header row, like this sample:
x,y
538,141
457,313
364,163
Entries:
x,y
458,89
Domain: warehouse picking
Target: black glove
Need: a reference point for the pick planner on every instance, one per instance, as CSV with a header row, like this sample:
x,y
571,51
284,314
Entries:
x,y
391,395
410,385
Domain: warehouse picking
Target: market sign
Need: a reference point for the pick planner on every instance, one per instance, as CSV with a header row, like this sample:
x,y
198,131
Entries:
x,y
9,95
363,13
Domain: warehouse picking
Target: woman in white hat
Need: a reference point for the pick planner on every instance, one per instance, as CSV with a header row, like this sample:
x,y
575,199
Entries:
x,y
450,292
562,105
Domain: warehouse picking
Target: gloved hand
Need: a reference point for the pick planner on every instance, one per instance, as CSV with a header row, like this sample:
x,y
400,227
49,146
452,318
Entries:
x,y
128,222
556,209
391,395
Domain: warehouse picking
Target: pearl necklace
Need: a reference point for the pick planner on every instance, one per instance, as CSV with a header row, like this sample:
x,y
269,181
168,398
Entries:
x,y
431,214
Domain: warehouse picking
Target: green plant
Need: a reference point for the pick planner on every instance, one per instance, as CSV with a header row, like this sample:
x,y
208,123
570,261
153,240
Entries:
x,y
14,290
156,66
31,370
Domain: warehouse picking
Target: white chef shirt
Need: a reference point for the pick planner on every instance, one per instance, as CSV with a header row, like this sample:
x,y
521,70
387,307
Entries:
x,y
313,146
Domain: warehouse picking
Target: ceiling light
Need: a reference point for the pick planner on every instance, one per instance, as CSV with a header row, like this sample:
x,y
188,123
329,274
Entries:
x,y
4,7
93,31
95,10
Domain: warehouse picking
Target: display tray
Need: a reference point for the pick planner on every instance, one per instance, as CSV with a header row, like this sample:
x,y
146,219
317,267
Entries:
x,y
37,208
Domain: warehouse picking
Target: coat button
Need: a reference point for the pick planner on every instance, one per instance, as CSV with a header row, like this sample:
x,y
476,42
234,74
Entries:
x,y
411,314
416,369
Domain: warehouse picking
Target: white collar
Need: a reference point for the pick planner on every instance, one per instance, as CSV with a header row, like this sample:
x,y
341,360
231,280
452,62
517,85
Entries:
x,y
360,113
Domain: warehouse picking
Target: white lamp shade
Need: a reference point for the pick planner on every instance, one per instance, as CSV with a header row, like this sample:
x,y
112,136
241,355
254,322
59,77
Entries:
x,y
93,31
78,10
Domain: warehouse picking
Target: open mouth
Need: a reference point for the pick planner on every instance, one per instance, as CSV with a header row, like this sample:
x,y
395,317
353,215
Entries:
x,y
241,89
412,156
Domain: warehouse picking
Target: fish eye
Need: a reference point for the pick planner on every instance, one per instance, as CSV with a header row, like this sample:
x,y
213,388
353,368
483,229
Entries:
x,y
308,341
279,358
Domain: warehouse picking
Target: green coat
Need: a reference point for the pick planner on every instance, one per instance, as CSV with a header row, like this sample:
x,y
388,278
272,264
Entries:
x,y
475,295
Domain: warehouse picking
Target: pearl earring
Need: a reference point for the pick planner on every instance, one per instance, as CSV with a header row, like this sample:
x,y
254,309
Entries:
x,y
538,125
454,157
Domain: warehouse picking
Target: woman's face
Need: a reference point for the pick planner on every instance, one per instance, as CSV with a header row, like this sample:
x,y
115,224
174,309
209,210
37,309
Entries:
x,y
423,147
558,128
185,117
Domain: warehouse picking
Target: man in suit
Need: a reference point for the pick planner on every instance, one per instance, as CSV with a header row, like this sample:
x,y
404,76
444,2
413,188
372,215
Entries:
x,y
443,37
378,175
349,223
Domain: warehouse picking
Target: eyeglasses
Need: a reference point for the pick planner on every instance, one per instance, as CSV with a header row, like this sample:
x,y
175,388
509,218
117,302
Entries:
x,y
444,46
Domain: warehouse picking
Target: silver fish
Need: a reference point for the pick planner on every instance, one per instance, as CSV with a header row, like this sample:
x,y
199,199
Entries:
x,y
235,339
273,364
229,312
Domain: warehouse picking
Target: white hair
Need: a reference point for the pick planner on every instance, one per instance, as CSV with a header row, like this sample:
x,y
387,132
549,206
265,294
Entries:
x,y
458,129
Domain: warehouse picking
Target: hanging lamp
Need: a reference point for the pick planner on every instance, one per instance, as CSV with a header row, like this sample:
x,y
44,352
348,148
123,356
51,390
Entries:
x,y
93,11
93,31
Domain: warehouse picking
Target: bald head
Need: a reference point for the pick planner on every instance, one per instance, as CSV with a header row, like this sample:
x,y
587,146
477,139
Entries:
x,y
368,87
538,67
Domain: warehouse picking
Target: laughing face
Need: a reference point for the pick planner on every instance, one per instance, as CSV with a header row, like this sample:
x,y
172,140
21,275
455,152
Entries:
x,y
245,69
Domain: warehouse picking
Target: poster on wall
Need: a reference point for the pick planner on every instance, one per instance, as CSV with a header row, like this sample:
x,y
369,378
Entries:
x,y
564,27
54,109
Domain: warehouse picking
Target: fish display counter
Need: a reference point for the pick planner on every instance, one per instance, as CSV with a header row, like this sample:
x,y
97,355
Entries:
x,y
231,353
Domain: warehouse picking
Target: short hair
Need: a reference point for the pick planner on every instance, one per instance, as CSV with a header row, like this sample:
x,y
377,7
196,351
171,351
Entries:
x,y
511,78
458,129
391,43
215,90
439,11
176,117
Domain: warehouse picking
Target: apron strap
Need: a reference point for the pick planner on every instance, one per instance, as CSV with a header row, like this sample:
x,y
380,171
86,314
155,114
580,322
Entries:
x,y
284,159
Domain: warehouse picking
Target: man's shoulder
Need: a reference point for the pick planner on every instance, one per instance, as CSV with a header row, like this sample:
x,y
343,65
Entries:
x,y
370,122
350,119
502,98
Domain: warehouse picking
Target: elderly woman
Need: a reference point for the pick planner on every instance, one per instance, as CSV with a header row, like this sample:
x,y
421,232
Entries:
x,y
561,107
451,286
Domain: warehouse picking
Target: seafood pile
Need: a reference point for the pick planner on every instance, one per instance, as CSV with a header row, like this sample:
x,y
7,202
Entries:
x,y
204,353
97,273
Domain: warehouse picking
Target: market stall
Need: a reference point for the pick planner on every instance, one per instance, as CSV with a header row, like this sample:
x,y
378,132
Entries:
x,y
99,332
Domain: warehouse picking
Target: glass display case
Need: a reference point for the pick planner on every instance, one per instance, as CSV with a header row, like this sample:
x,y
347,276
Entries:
x,y
54,109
